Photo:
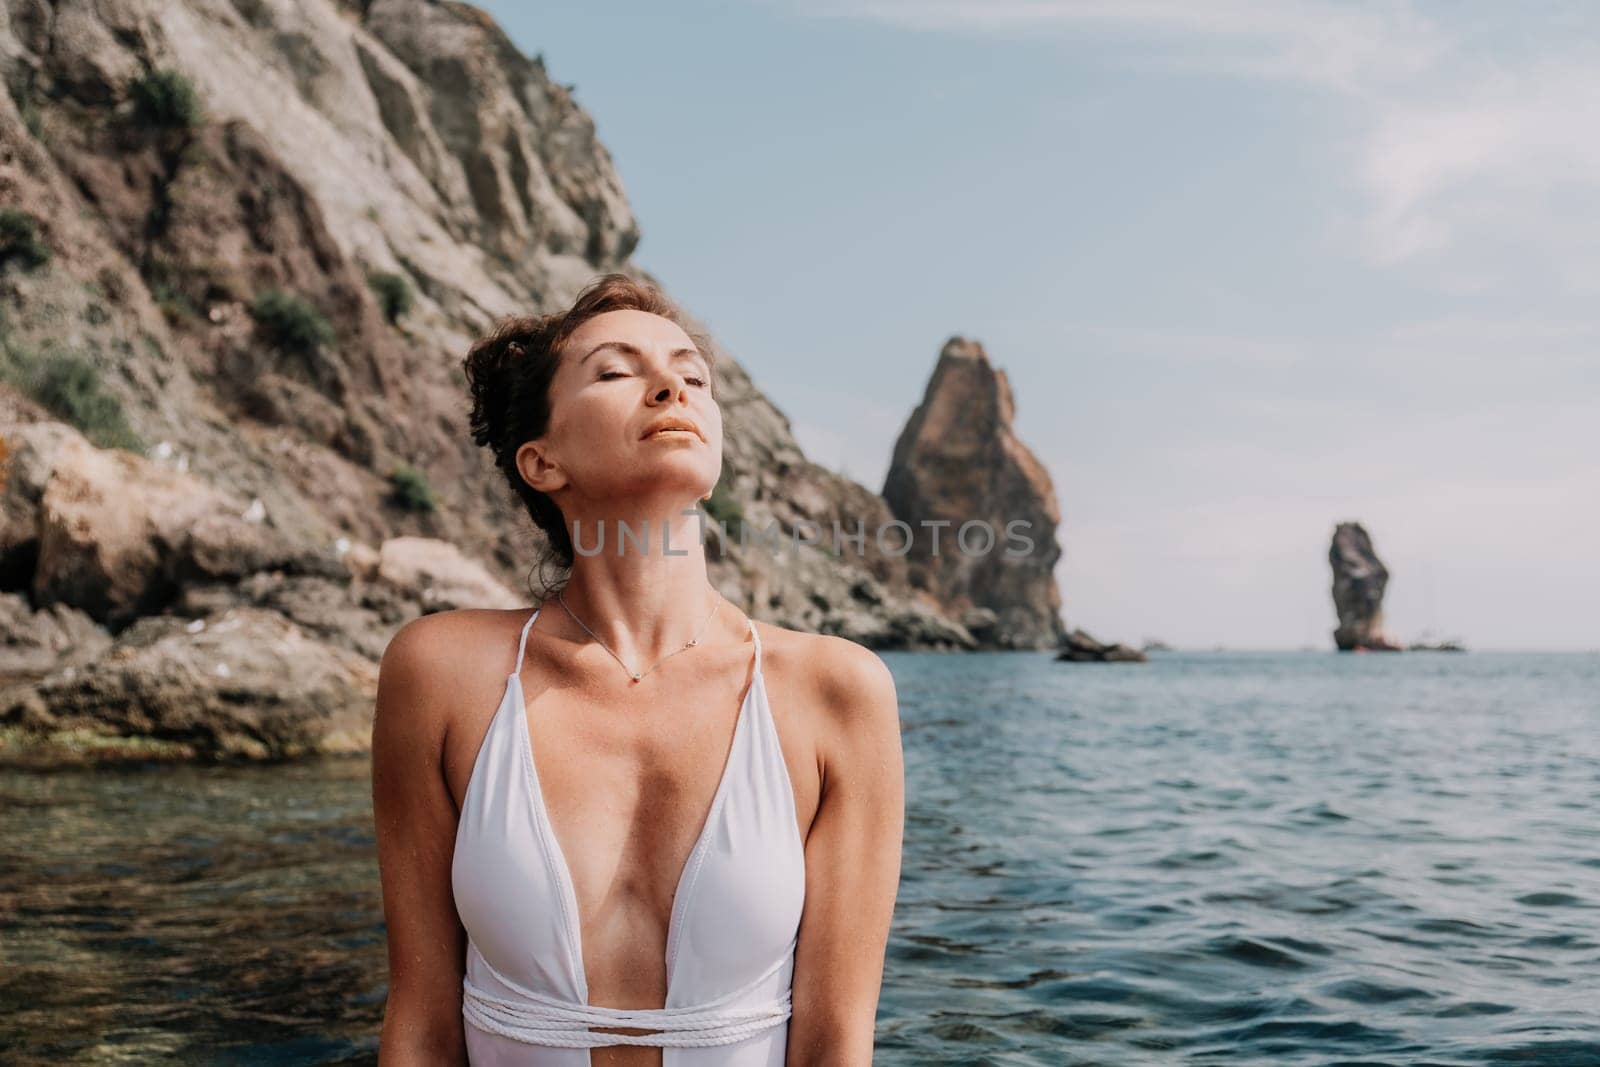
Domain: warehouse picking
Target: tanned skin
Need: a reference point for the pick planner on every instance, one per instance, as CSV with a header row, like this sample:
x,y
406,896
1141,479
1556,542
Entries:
x,y
628,769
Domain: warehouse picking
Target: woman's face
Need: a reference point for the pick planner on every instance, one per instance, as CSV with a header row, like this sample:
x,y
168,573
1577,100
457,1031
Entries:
x,y
622,374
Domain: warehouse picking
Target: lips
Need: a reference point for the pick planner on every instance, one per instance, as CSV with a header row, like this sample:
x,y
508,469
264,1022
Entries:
x,y
670,425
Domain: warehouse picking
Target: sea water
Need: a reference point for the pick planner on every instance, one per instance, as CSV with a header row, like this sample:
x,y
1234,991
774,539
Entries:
x,y
1212,857
1266,858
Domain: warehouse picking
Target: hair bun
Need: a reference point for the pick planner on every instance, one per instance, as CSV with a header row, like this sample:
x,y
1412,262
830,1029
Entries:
x,y
492,379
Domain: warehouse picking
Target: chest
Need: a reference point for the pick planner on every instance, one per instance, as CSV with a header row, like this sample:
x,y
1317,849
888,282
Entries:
x,y
640,773
608,862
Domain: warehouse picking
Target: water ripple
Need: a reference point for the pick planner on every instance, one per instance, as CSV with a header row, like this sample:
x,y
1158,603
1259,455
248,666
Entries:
x,y
1227,858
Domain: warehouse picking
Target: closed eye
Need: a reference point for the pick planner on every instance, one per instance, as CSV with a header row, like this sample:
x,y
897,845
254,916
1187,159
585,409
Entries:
x,y
696,381
623,374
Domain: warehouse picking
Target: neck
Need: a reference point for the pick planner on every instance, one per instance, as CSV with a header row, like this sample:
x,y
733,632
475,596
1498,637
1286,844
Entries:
x,y
640,582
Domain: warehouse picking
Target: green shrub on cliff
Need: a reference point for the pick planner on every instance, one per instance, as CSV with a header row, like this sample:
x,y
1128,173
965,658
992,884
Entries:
x,y
166,99
165,280
287,322
68,385
393,293
19,240
724,509
408,488
28,108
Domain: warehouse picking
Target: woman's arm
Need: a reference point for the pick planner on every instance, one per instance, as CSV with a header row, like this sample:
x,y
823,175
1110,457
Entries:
x,y
415,818
852,862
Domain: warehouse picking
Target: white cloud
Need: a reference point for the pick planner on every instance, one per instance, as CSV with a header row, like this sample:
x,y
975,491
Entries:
x,y
1475,118
1485,156
1348,47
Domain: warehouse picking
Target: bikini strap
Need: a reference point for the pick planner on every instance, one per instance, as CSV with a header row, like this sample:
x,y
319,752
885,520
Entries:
x,y
757,637
522,641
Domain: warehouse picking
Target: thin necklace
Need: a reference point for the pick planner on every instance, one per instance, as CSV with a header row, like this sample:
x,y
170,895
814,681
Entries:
x,y
561,598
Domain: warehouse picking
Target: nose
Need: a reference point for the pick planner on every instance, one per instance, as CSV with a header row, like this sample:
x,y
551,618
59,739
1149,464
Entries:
x,y
673,386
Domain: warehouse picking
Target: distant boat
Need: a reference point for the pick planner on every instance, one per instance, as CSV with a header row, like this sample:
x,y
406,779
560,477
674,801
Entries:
x,y
1426,644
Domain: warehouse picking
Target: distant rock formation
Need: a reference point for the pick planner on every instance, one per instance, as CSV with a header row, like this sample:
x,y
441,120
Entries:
x,y
958,461
1079,647
1359,579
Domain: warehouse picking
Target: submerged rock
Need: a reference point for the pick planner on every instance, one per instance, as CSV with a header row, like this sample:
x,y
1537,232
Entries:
x,y
1079,647
1359,581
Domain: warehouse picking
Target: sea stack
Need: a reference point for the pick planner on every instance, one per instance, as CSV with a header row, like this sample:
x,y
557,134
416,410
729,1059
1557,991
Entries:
x,y
958,463
1359,580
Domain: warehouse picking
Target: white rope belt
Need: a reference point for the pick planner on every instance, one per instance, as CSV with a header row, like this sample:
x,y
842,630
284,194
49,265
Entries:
x,y
537,1019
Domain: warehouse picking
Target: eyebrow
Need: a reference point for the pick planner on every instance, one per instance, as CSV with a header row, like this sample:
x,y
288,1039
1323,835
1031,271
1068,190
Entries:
x,y
633,350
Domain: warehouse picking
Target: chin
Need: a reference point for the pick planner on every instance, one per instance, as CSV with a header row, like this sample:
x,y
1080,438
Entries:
x,y
657,481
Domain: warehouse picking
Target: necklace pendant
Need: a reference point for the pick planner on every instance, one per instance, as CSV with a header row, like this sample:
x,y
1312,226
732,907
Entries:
x,y
561,598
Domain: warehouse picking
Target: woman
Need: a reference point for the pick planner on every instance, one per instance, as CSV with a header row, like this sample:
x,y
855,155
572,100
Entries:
x,y
669,835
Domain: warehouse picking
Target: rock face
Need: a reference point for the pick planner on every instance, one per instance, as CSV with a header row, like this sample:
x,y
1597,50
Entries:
x,y
207,401
334,142
33,643
957,461
1359,579
119,535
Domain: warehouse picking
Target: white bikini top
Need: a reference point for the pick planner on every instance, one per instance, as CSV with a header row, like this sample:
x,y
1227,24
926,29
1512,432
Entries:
x,y
735,914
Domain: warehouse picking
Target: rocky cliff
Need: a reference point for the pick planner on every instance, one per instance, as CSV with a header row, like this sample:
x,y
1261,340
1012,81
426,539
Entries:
x,y
958,462
1359,581
243,246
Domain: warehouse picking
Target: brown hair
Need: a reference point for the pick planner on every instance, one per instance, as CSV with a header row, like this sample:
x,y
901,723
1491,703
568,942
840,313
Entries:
x,y
509,372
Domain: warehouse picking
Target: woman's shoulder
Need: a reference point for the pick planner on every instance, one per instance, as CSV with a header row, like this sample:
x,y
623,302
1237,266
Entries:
x,y
449,654
845,697
842,677
461,639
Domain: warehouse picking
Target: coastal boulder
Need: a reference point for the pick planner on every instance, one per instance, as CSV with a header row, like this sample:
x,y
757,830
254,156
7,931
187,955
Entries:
x,y
439,577
120,535
28,457
246,684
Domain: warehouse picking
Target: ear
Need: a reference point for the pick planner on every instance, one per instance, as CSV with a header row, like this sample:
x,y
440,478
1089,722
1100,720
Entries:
x,y
538,470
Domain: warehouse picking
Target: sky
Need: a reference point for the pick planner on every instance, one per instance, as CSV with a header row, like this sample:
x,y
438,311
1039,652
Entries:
x,y
1252,270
